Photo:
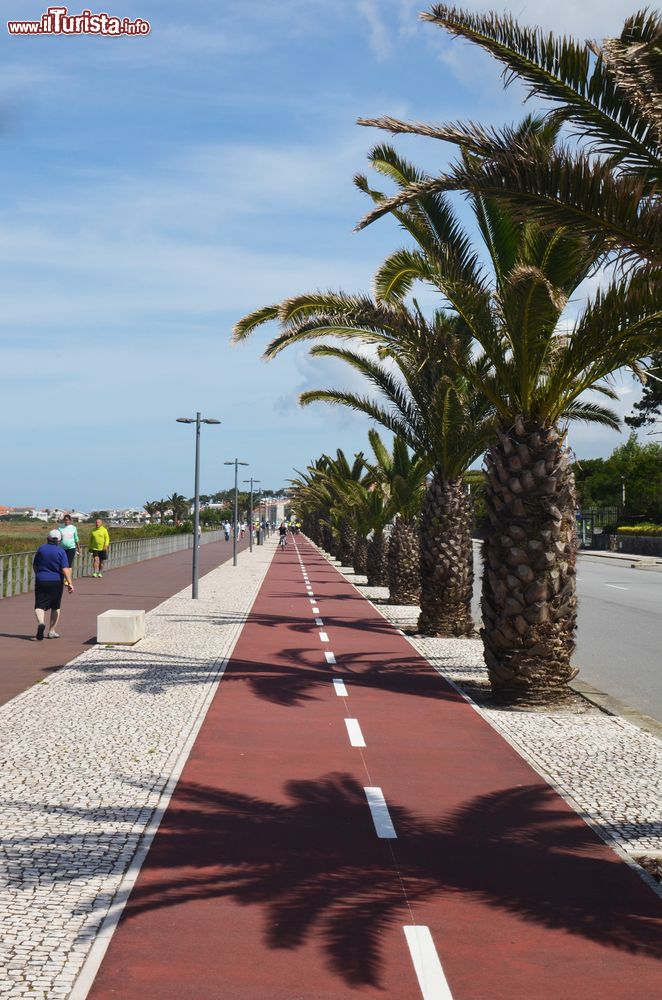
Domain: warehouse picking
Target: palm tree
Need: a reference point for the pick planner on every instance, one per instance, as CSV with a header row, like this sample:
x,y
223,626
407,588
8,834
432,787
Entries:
x,y
162,509
390,492
311,501
179,506
611,94
446,424
151,507
429,405
402,476
533,372
338,474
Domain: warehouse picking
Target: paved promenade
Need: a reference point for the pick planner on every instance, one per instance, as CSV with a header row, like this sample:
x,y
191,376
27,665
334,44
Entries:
x,y
139,586
334,819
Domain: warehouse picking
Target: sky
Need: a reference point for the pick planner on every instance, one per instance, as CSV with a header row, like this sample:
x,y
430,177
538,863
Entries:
x,y
156,188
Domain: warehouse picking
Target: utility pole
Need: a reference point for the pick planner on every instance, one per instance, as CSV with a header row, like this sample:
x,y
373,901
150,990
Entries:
x,y
236,464
196,500
250,514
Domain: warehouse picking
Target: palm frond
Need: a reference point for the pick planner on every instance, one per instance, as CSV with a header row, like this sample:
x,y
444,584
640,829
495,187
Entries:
x,y
566,72
245,326
591,413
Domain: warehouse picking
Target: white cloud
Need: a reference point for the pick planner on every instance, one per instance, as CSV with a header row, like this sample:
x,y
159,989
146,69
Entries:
x,y
185,239
380,40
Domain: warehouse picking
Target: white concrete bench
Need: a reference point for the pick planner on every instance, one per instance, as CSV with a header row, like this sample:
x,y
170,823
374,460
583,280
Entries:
x,y
123,627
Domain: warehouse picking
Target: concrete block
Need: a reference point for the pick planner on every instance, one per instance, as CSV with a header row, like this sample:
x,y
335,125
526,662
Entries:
x,y
123,627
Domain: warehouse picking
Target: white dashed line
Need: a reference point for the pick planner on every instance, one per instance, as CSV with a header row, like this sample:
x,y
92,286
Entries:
x,y
616,586
324,637
340,688
427,966
330,658
380,815
319,621
354,733
313,600
315,610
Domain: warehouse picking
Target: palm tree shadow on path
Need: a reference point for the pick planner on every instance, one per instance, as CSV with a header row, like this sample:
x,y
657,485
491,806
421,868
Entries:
x,y
317,870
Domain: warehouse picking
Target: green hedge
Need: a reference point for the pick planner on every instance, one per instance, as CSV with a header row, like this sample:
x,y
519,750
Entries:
x,y
640,529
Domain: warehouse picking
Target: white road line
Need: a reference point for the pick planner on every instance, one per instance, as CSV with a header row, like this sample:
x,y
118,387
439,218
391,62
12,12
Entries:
x,y
427,966
315,611
324,637
313,600
340,688
616,586
354,733
330,658
380,815
319,621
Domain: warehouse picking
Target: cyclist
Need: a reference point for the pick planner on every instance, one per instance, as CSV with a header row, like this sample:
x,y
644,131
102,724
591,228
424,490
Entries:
x,y
282,531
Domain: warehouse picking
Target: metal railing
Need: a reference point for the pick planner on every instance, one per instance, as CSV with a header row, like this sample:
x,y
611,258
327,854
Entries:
x,y
17,575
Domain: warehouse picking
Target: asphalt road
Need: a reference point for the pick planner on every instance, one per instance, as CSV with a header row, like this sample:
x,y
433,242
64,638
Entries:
x,y
619,636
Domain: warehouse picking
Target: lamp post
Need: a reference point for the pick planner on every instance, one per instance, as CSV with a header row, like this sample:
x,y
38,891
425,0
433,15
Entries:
x,y
236,464
250,514
196,500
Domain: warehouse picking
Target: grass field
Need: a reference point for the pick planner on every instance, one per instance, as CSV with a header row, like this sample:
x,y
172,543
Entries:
x,y
26,536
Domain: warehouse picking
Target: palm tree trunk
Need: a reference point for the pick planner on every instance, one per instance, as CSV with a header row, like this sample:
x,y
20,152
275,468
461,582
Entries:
x,y
403,563
528,602
360,558
446,559
377,561
327,540
347,540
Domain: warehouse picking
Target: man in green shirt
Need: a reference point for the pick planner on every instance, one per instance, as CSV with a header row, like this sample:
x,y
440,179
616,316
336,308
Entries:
x,y
99,545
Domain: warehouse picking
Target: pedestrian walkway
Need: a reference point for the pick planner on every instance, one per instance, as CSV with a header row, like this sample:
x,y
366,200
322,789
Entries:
x,y
347,824
140,586
334,820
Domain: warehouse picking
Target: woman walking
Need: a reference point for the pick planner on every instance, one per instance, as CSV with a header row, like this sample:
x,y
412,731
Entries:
x,y
51,571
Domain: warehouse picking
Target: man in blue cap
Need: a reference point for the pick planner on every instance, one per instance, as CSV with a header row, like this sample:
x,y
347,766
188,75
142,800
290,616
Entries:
x,y
51,572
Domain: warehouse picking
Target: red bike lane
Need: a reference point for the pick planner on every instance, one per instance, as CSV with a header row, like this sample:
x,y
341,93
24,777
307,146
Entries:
x,y
347,824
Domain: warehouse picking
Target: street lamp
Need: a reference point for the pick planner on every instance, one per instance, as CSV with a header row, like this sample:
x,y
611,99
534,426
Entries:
x,y
250,514
196,501
236,463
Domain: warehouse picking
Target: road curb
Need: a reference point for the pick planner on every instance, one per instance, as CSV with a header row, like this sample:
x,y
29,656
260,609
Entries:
x,y
612,706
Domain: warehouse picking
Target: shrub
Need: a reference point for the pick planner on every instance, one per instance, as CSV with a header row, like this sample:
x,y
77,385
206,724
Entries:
x,y
640,529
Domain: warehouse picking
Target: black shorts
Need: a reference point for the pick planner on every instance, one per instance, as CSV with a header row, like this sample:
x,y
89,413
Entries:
x,y
70,554
100,554
48,594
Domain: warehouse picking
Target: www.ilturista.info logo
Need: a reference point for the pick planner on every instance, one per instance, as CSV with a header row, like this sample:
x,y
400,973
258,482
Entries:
x,y
58,21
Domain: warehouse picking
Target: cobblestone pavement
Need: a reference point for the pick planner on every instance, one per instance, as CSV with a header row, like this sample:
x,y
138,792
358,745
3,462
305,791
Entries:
x,y
608,769
89,759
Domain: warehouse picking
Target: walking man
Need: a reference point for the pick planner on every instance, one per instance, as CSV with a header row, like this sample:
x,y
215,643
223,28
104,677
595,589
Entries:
x,y
51,571
99,545
70,543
